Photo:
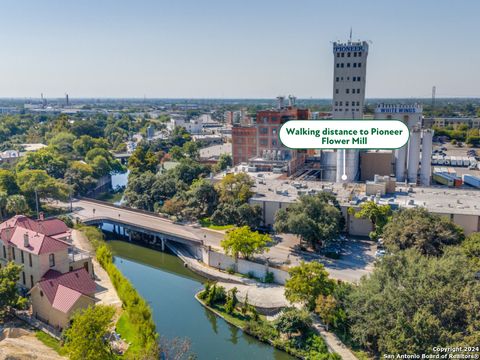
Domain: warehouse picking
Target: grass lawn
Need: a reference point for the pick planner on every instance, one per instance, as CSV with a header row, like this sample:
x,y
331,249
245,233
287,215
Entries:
x,y
50,342
127,332
208,224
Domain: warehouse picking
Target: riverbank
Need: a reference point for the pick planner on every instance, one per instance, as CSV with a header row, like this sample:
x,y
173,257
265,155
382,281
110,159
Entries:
x,y
263,330
134,324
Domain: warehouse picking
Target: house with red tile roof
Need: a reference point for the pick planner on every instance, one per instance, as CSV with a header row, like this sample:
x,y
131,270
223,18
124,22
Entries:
x,y
39,246
57,296
58,275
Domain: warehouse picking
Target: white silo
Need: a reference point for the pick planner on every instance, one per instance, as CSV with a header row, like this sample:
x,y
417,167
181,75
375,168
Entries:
x,y
348,163
328,164
413,155
400,162
426,164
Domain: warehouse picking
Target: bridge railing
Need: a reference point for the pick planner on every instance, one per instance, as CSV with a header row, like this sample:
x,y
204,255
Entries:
x,y
140,211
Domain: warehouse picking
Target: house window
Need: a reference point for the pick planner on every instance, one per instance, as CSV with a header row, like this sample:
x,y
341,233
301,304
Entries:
x,y
4,252
51,260
23,278
22,256
41,293
13,253
31,281
30,259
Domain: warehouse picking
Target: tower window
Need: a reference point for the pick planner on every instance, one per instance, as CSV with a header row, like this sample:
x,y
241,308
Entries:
x,y
354,78
354,64
336,91
354,54
358,91
348,54
343,54
337,79
341,65
338,54
341,103
348,78
358,103
346,103
348,64
338,65
359,65
347,91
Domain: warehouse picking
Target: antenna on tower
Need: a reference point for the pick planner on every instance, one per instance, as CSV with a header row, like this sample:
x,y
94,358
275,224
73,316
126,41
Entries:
x,y
350,34
434,90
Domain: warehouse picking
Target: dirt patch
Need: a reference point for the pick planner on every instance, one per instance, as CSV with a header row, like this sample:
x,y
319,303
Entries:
x,y
17,342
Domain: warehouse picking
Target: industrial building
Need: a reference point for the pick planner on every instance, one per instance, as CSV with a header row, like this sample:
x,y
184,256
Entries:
x,y
349,79
259,145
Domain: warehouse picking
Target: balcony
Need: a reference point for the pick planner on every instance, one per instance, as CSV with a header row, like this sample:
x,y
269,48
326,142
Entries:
x,y
75,254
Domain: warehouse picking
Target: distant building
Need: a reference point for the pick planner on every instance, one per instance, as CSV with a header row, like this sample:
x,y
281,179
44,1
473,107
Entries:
x,y
259,144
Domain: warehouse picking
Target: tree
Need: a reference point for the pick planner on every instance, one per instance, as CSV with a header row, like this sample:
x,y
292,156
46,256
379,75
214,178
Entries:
x,y
245,242
191,150
224,162
44,159
80,176
377,214
3,203
293,320
45,186
235,188
248,215
63,143
85,143
86,338
471,247
202,198
315,219
419,229
142,159
17,204
176,153
9,296
413,302
188,170
326,307
307,282
8,182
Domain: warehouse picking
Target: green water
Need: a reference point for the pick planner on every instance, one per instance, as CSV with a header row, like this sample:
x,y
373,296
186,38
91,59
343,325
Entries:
x,y
169,288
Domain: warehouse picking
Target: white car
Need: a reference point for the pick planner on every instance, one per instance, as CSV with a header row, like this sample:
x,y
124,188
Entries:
x,y
380,253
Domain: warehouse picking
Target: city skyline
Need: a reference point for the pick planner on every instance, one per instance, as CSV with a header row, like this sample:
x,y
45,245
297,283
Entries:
x,y
247,50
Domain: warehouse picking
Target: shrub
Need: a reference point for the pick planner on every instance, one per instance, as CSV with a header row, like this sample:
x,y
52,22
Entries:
x,y
231,270
269,277
261,330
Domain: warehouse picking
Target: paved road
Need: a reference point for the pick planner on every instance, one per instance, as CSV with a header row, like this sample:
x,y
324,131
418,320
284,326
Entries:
x,y
357,259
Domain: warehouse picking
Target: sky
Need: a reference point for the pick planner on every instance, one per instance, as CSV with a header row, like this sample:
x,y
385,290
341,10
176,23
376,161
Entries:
x,y
234,49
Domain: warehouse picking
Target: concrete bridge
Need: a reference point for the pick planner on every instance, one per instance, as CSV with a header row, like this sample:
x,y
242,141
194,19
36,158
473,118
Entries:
x,y
127,220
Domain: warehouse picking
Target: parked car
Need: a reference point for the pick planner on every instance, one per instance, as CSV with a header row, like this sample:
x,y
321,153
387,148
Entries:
x,y
380,253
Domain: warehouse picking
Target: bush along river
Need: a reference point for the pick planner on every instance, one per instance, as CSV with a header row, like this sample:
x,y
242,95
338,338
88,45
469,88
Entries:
x,y
170,289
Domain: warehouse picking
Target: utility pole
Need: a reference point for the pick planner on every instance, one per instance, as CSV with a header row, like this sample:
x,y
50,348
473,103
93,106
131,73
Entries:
x,y
36,203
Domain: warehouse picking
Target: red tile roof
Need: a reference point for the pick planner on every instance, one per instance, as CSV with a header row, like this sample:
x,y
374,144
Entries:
x,y
14,230
47,227
63,290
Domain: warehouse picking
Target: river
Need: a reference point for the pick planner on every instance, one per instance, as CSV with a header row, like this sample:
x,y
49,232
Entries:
x,y
169,288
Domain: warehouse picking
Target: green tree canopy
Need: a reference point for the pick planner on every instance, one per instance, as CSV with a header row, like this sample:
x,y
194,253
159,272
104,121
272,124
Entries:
x,y
81,177
412,302
235,188
293,321
377,214
17,204
44,159
417,228
245,242
9,296
307,282
315,219
8,182
86,338
46,186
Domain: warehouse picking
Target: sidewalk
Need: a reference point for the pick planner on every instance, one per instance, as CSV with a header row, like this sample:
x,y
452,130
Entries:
x,y
106,293
334,344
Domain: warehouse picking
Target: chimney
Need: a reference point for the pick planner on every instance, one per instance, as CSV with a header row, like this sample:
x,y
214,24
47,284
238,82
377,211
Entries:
x,y
41,216
25,240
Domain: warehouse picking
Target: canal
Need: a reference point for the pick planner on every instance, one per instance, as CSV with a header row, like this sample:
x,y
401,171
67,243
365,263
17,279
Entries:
x,y
169,288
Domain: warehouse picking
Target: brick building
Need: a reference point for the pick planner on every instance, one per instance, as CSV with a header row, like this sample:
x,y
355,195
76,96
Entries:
x,y
260,146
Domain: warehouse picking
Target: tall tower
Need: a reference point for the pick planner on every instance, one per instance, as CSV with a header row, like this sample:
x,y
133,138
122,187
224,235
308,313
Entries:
x,y
349,78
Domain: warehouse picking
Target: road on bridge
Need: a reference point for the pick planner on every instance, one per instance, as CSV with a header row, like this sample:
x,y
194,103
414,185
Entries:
x,y
357,259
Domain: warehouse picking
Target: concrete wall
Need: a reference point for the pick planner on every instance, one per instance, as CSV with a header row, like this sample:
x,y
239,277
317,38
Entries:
x,y
224,262
269,209
375,163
